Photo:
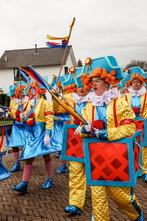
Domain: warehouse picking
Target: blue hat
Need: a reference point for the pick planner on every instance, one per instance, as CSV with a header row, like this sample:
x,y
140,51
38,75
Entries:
x,y
108,62
145,74
135,70
21,83
78,77
123,82
74,78
12,89
125,74
58,80
130,72
69,82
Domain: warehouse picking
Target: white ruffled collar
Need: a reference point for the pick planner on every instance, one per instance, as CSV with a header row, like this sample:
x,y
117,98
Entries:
x,y
137,93
21,101
80,99
105,98
32,101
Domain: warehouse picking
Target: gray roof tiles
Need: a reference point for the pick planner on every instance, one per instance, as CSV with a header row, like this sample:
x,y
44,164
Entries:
x,y
26,57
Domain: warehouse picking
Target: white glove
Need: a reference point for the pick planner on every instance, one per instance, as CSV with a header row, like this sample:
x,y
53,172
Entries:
x,y
77,131
21,116
46,139
96,132
7,115
87,127
56,88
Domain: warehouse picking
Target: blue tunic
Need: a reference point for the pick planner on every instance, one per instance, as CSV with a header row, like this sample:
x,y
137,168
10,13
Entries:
x,y
136,102
18,134
80,106
101,113
4,173
34,145
57,133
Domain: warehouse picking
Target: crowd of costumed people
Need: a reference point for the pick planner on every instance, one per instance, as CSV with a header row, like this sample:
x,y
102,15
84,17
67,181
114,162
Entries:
x,y
96,121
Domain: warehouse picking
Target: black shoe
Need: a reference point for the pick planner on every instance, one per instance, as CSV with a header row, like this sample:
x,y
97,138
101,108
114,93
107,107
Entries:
x,y
47,184
73,210
16,167
62,169
141,217
21,187
145,178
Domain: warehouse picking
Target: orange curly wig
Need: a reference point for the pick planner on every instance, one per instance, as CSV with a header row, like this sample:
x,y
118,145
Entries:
x,y
135,76
102,73
71,88
18,90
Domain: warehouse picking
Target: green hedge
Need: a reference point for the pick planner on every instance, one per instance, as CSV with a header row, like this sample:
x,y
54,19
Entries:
x,y
7,122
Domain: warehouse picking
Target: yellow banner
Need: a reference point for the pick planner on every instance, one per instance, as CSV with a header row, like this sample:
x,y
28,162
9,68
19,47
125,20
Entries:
x,y
57,38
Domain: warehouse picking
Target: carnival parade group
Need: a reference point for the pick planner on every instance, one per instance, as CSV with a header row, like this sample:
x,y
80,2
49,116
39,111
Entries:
x,y
106,104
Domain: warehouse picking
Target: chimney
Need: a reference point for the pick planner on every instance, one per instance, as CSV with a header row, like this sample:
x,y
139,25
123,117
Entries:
x,y
36,50
6,58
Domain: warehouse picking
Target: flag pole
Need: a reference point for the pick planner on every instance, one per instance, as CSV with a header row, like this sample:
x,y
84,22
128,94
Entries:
x,y
63,58
37,77
58,98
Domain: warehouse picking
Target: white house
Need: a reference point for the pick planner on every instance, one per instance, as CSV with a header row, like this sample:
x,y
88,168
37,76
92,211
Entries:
x,y
46,61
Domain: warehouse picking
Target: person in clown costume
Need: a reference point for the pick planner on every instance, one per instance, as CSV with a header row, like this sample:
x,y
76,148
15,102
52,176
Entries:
x,y
4,172
77,178
137,99
17,111
60,118
38,141
113,119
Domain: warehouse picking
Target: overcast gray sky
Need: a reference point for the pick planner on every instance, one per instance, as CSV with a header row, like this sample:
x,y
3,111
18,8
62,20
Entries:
x,y
102,27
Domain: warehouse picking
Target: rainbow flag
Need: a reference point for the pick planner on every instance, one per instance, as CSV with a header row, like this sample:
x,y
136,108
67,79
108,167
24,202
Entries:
x,y
56,45
22,72
38,78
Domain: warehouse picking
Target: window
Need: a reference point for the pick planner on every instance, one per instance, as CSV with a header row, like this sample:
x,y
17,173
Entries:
x,y
17,76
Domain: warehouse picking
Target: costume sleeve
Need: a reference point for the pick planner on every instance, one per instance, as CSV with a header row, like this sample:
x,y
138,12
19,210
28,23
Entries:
x,y
126,125
48,112
12,109
26,108
87,115
144,111
69,100
103,134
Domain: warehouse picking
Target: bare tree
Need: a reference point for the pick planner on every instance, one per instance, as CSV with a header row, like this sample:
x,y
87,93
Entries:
x,y
141,64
